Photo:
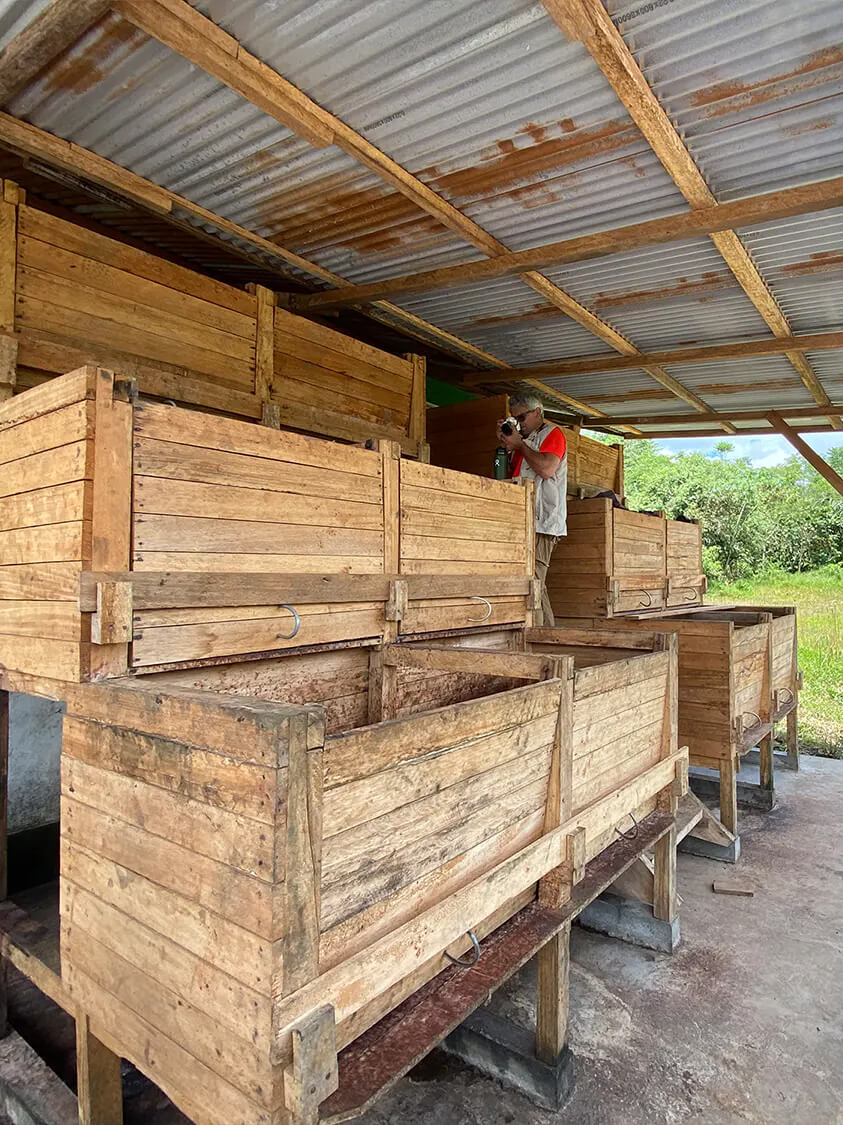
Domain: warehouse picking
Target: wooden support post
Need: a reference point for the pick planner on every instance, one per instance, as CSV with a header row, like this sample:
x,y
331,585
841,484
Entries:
x,y
793,736
765,761
302,846
664,877
265,355
4,855
553,963
418,403
729,793
99,1082
555,888
8,284
111,530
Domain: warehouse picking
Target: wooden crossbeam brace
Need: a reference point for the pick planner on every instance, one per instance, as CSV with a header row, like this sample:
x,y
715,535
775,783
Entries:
x,y
811,456
589,364
731,415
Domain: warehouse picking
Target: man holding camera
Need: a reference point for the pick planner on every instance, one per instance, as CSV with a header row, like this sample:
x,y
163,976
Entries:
x,y
538,451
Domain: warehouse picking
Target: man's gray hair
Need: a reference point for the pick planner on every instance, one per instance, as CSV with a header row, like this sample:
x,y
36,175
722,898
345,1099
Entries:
x,y
532,402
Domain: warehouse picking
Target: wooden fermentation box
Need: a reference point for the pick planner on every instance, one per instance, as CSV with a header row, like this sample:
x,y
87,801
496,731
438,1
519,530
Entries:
x,y
614,562
738,676
462,437
310,741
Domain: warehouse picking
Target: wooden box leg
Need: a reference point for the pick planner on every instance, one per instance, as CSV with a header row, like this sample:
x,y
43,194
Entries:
x,y
729,794
553,962
765,761
665,902
99,1082
4,820
793,738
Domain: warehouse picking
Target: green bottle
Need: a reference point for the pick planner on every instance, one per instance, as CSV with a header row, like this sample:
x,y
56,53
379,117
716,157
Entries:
x,y
501,463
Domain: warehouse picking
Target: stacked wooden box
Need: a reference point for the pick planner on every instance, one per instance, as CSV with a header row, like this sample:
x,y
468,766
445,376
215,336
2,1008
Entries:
x,y
243,878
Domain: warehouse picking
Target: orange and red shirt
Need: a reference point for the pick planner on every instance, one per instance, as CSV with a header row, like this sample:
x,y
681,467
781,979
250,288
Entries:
x,y
553,443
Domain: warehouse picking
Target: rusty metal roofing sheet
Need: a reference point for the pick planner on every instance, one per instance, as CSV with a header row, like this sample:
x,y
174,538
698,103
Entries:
x,y
754,87
486,103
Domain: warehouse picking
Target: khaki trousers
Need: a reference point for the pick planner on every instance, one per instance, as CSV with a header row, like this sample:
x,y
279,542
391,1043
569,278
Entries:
x,y
544,551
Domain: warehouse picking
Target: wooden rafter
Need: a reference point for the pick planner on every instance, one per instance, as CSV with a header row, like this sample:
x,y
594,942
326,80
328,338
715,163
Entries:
x,y
749,431
811,456
764,208
740,349
52,31
181,28
591,23
732,416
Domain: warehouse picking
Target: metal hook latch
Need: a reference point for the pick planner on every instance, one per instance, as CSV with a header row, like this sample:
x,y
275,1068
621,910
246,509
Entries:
x,y
489,610
649,600
791,696
296,627
633,833
474,955
757,718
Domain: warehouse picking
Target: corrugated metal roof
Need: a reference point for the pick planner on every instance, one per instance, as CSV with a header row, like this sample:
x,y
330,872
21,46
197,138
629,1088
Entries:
x,y
494,109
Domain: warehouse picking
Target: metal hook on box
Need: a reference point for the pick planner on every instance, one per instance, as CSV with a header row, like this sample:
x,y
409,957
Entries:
x,y
475,954
489,610
690,590
790,692
296,618
757,718
649,600
629,835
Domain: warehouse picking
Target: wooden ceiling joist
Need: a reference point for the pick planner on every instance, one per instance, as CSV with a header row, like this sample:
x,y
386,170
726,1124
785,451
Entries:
x,y
764,208
741,349
748,431
50,33
180,27
591,23
717,416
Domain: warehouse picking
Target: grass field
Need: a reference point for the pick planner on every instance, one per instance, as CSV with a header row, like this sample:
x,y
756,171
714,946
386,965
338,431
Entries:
x,y
818,597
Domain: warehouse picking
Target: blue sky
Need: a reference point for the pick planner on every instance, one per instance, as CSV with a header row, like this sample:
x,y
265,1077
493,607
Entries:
x,y
762,451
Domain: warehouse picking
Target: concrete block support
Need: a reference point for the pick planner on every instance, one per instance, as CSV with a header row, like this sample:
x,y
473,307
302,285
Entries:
x,y
726,853
632,921
507,1052
750,793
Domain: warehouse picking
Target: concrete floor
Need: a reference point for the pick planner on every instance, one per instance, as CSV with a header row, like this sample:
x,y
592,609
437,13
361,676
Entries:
x,y
743,1024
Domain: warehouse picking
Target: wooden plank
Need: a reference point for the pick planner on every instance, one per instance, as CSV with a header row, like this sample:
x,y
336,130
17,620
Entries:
x,y
56,660
189,428
59,620
367,799
226,783
811,456
325,339
314,388
47,469
62,504
55,28
553,967
191,827
264,329
357,754
432,548
418,402
361,384
138,264
465,484
204,535
62,542
257,563
488,662
75,254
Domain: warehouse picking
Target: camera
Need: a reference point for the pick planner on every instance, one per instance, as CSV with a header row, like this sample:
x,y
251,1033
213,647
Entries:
x,y
509,426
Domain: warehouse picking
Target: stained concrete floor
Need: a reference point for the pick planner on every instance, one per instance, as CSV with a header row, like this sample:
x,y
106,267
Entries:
x,y
743,1024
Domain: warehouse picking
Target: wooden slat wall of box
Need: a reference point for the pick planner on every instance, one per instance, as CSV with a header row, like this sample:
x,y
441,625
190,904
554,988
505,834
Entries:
x,y
79,297
47,512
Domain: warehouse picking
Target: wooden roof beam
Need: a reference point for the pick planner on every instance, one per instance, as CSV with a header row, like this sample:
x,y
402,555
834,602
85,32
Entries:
x,y
43,39
750,431
180,27
590,22
741,349
717,416
767,207
811,456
